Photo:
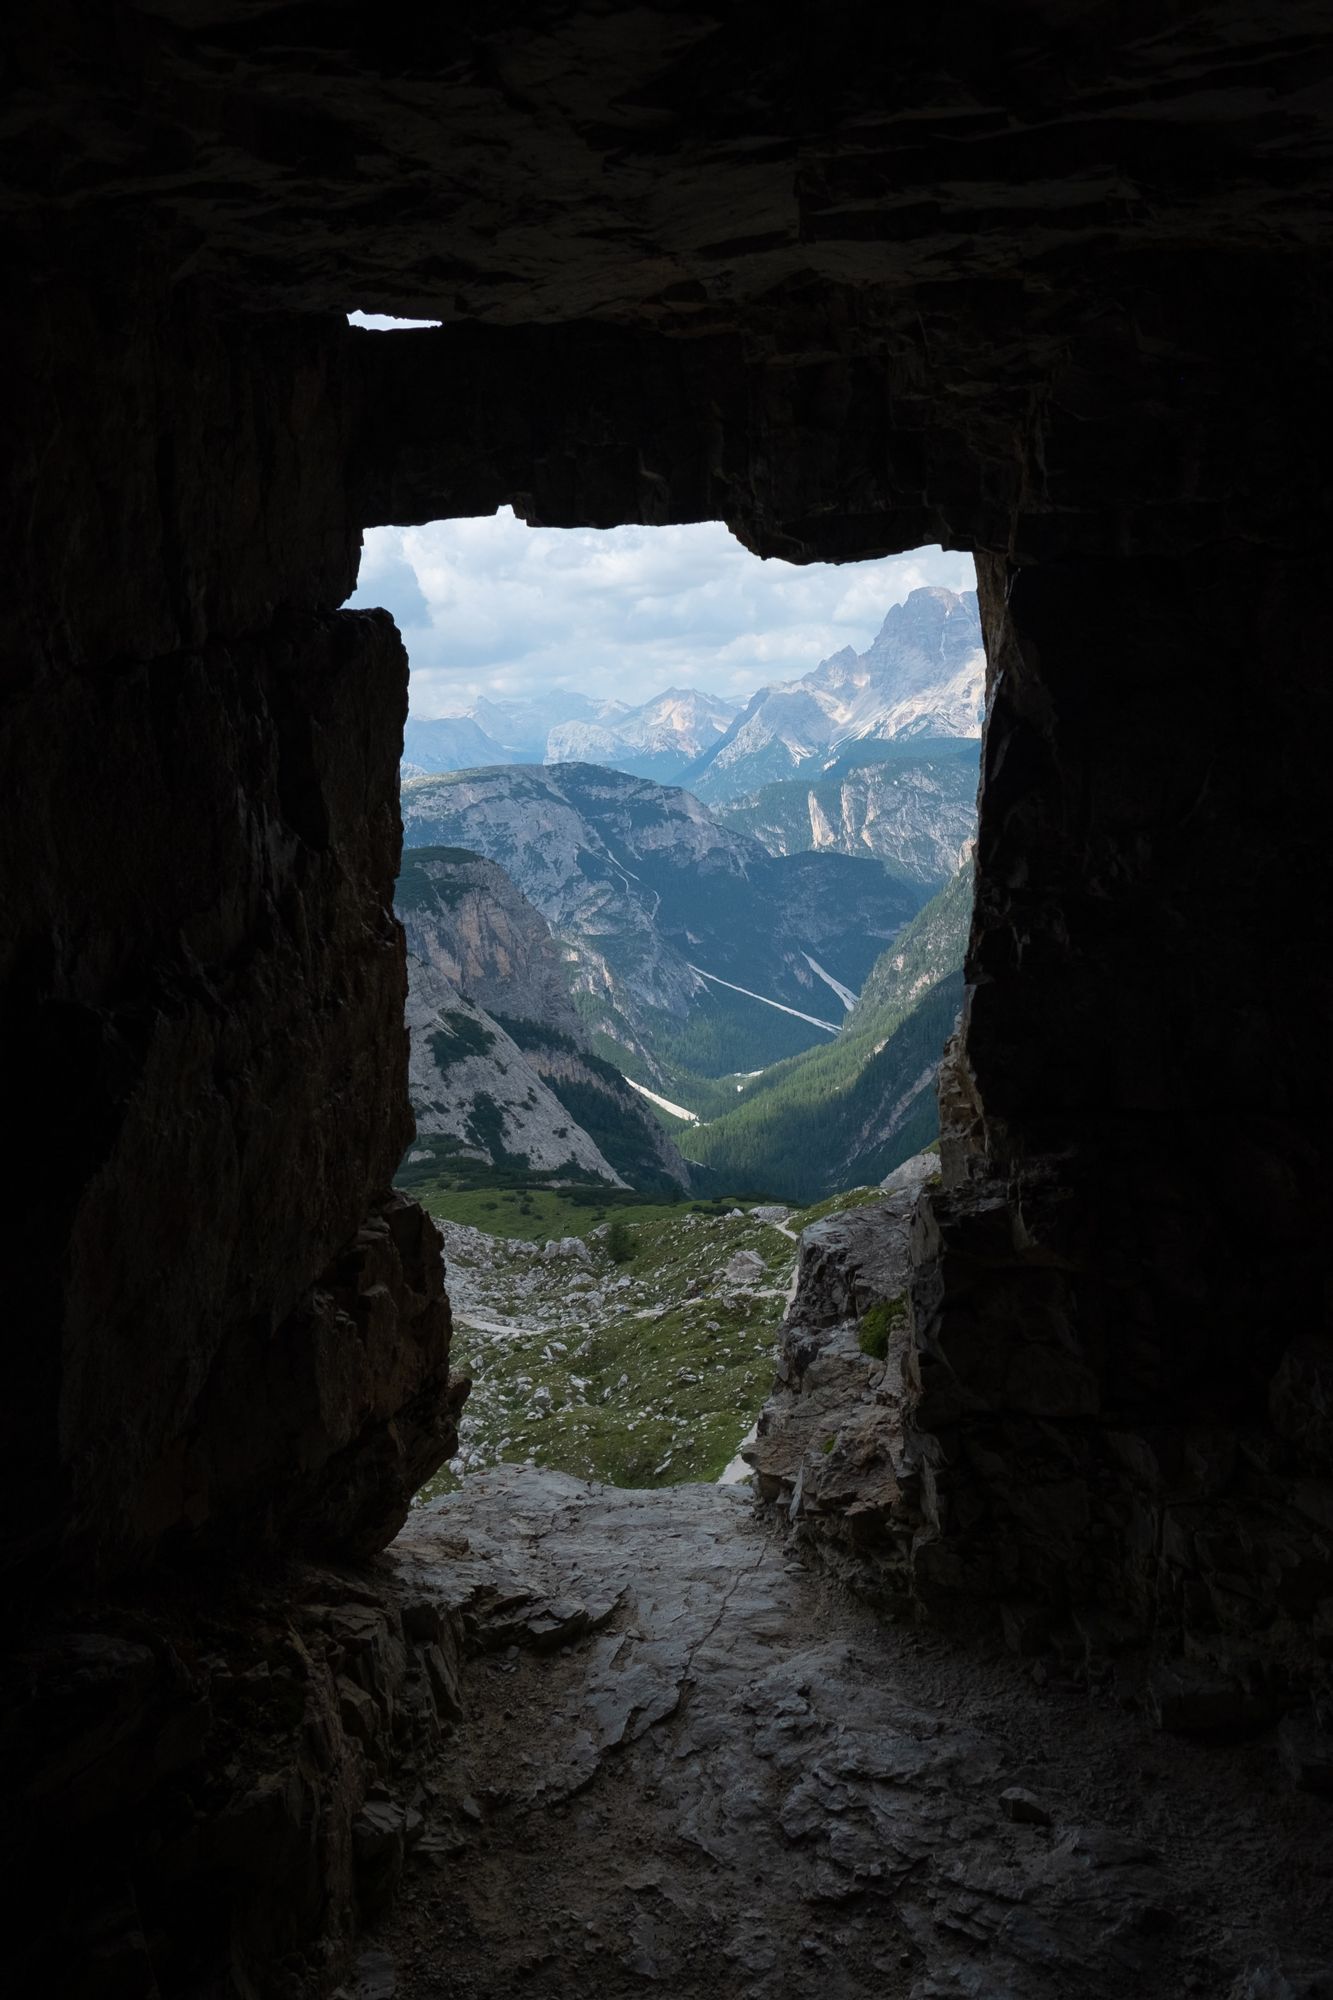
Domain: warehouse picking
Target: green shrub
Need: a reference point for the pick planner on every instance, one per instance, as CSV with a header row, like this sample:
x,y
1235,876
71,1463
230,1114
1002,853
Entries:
x,y
456,1038
876,1325
620,1245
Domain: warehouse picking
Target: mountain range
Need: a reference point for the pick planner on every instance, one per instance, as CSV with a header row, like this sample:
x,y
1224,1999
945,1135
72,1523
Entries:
x,y
922,677
691,952
659,738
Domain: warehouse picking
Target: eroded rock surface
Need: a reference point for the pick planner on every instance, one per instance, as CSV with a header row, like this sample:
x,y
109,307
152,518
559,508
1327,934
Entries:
x,y
834,1451
206,1778
689,1764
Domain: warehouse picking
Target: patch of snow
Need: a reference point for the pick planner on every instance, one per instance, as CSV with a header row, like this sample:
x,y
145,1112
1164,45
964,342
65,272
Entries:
x,y
385,323
829,1027
675,1110
847,997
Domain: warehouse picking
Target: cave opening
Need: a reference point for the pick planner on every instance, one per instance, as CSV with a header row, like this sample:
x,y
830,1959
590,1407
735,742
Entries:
x,y
666,810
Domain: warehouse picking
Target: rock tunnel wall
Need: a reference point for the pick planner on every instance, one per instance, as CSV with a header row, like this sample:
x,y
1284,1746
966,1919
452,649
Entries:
x,y
1051,286
1120,1290
204,981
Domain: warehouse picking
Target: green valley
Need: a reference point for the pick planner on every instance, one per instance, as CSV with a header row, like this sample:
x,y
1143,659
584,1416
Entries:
x,y
853,1109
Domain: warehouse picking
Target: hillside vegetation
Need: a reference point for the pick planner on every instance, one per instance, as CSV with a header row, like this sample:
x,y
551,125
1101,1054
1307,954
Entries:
x,y
637,1349
852,1110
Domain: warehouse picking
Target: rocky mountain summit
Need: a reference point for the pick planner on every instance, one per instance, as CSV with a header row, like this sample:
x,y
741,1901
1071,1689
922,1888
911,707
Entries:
x,y
923,676
687,945
501,1073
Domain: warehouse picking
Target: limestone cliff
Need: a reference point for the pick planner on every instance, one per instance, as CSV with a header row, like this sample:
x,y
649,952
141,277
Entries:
x,y
501,1073
914,808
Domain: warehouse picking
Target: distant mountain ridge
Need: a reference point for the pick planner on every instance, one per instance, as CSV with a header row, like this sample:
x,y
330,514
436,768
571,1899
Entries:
x,y
449,743
658,738
924,676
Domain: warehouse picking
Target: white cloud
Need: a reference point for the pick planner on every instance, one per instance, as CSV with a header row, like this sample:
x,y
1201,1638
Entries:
x,y
491,607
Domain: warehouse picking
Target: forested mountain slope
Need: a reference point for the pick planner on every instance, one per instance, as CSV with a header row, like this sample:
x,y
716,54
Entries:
x,y
850,1111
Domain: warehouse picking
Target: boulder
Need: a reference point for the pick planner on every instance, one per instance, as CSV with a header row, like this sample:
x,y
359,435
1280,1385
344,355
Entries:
x,y
746,1267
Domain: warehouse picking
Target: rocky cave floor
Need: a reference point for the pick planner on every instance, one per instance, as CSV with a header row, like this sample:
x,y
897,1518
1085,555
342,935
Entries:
x,y
691,1765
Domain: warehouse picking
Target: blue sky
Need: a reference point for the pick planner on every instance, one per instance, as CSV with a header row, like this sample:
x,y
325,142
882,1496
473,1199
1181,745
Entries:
x,y
492,607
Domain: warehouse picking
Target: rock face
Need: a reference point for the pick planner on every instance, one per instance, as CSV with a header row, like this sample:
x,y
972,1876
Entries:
x,y
518,1086
478,1099
212,1096
468,921
1050,284
1066,1297
916,811
252,1744
832,1450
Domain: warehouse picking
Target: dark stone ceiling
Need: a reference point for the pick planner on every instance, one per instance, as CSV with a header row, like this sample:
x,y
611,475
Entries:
x,y
669,166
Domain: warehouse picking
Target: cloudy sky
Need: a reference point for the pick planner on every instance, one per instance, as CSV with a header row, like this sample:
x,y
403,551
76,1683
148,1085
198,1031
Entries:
x,y
491,607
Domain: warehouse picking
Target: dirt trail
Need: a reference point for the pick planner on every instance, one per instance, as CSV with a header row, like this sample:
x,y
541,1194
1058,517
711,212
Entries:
x,y
689,1766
